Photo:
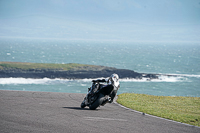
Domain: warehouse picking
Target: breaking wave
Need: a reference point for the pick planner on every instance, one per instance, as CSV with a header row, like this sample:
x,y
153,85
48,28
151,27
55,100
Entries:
x,y
165,78
182,75
161,78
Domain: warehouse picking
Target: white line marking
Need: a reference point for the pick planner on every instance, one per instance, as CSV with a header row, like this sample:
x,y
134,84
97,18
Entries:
x,y
102,119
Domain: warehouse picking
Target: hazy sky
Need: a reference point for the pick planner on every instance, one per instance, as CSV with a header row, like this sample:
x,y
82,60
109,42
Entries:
x,y
124,20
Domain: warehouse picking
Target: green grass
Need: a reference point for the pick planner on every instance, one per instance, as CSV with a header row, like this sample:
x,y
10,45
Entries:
x,y
181,109
26,66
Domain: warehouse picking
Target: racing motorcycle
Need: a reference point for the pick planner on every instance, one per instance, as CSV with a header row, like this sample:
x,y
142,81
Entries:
x,y
97,95
100,94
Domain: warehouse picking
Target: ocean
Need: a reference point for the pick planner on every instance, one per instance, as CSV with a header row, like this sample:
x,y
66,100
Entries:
x,y
179,59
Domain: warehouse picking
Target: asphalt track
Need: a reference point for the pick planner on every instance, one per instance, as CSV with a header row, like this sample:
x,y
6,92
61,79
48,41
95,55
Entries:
x,y
41,112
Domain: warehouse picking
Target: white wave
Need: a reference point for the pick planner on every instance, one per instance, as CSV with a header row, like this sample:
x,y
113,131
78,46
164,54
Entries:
x,y
161,78
165,78
15,81
83,84
182,75
28,81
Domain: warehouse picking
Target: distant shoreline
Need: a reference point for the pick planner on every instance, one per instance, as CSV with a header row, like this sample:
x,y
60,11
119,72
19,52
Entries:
x,y
65,71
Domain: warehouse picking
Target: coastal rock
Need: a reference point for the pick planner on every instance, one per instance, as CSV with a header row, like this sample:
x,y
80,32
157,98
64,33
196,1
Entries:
x,y
77,73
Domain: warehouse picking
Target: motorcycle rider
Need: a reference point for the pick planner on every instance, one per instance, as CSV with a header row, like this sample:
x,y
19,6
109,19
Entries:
x,y
111,86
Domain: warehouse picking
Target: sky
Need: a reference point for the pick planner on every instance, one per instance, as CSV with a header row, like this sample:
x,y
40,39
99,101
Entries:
x,y
102,20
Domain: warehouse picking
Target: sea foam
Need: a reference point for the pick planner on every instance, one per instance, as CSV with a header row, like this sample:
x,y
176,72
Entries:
x,y
161,78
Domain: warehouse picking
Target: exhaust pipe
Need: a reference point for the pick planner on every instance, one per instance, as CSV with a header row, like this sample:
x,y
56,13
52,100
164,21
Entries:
x,y
108,99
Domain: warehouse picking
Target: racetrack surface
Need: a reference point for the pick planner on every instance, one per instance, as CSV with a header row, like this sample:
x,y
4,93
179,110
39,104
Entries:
x,y
22,112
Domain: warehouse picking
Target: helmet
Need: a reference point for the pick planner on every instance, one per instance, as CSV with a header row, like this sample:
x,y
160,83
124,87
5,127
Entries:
x,y
115,79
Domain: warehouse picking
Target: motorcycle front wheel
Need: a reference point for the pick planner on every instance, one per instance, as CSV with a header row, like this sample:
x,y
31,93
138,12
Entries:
x,y
83,104
97,103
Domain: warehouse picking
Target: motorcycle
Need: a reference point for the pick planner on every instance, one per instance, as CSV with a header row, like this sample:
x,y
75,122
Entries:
x,y
98,95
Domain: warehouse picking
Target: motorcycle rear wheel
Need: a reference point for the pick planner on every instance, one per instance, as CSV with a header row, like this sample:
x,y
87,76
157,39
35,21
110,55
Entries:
x,y
97,103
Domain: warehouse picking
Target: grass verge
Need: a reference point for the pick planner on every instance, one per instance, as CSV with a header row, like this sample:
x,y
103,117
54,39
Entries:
x,y
181,109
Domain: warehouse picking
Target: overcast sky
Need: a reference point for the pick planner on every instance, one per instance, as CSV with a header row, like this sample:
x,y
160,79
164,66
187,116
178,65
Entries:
x,y
124,20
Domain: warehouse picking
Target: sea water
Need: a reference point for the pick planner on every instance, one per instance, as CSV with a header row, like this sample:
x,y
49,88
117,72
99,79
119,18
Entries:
x,y
181,60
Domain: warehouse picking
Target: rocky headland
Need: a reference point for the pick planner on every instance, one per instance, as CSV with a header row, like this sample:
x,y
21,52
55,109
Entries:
x,y
65,71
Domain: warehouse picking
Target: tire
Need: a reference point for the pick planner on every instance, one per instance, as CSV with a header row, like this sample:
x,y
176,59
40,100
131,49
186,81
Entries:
x,y
97,103
83,105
